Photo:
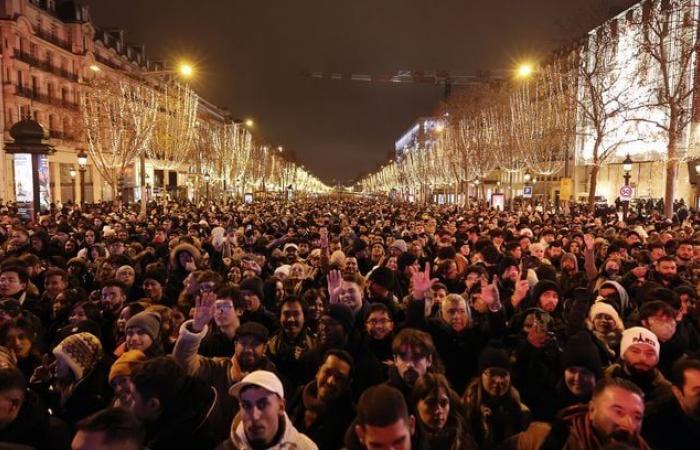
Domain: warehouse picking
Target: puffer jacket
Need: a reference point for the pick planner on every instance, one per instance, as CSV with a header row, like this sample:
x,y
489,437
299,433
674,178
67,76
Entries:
x,y
291,439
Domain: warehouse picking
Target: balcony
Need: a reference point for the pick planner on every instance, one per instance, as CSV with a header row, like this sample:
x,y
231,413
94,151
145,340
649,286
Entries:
x,y
27,92
43,65
55,40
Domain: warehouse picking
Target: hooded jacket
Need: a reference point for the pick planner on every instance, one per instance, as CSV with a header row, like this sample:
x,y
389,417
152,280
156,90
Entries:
x,y
291,438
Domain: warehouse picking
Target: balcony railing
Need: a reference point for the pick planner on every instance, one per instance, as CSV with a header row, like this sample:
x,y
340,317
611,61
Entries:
x,y
43,65
48,36
27,92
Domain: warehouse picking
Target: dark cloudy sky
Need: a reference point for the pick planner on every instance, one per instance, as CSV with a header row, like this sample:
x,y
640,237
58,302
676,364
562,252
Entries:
x,y
250,53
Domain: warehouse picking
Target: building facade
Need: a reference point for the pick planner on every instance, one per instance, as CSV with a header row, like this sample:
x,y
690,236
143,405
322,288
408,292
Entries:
x,y
50,48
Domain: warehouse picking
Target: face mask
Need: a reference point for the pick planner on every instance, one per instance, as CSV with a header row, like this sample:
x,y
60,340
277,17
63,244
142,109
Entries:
x,y
611,273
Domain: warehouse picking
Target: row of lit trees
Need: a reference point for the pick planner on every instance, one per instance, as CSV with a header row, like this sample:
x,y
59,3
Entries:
x,y
126,120
628,81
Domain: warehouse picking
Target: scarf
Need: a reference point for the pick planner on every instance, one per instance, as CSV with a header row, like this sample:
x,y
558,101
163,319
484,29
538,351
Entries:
x,y
584,434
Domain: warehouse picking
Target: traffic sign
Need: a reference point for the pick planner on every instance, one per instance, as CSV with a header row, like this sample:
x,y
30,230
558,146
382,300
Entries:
x,y
527,191
626,193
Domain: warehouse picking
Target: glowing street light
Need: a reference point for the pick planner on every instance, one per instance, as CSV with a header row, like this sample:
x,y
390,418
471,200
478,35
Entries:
x,y
525,70
249,123
186,70
95,68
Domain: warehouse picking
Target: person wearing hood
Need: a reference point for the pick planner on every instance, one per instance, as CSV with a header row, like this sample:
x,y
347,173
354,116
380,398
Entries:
x,y
660,317
606,327
184,259
178,411
262,423
639,354
615,294
323,408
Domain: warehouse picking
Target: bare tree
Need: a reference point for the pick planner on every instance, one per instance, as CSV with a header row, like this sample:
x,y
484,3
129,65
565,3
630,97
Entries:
x,y
118,118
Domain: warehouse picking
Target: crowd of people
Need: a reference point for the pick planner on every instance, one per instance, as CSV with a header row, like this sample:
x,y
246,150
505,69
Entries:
x,y
358,324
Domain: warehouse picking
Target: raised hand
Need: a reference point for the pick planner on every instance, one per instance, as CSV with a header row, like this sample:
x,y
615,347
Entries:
x,y
589,241
489,291
203,310
43,372
521,289
335,278
421,282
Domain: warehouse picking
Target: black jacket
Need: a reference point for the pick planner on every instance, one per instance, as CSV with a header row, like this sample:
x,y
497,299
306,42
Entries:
x,y
35,428
667,427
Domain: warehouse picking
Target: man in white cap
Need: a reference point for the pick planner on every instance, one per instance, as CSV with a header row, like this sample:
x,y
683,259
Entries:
x,y
639,352
262,422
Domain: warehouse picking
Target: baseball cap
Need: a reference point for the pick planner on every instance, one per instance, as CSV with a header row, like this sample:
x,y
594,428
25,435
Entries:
x,y
260,378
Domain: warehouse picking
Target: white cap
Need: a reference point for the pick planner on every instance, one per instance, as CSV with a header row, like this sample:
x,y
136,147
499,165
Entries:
x,y
639,335
601,307
261,378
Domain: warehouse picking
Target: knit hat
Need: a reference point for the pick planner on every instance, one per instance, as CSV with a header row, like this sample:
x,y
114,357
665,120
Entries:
x,y
602,307
639,335
384,277
581,352
341,314
400,245
80,352
148,321
493,357
543,286
156,274
254,329
505,263
125,364
252,286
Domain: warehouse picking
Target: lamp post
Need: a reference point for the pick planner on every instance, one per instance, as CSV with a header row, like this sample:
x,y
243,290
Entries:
x,y
82,167
527,177
207,180
72,174
627,169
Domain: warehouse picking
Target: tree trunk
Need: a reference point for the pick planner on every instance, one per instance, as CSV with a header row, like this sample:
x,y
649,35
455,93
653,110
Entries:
x,y
671,171
592,186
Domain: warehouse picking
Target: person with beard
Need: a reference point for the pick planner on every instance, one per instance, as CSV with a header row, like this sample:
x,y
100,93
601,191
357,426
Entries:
x,y
287,346
684,259
494,411
414,356
439,413
606,327
252,292
612,417
113,296
221,372
375,346
323,408
554,253
639,353
674,421
512,291
380,289
665,273
660,317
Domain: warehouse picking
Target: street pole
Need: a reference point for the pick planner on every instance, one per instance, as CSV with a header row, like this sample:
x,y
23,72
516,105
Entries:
x,y
627,169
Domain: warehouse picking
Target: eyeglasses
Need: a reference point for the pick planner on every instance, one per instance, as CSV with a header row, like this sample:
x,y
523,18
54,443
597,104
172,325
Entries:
x,y
223,307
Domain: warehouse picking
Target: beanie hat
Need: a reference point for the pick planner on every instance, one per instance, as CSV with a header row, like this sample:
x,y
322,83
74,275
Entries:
x,y
493,357
383,276
125,364
639,335
148,321
543,286
580,351
254,329
603,307
505,263
253,286
156,274
406,259
80,352
341,314
400,245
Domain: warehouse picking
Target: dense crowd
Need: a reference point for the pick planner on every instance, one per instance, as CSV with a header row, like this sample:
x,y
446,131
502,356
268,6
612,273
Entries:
x,y
357,324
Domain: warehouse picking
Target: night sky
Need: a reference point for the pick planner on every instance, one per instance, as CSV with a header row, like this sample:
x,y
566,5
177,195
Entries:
x,y
249,55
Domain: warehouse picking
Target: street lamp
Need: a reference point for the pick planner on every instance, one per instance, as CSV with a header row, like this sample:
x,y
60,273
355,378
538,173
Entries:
x,y
527,176
72,174
249,123
82,167
525,70
627,169
207,179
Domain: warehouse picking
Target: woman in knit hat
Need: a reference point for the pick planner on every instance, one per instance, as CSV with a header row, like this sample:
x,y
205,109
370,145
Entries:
x,y
143,332
606,329
120,374
75,384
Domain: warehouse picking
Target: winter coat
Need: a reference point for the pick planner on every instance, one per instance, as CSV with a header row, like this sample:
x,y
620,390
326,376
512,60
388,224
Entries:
x,y
668,427
34,427
220,373
330,423
654,385
290,440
